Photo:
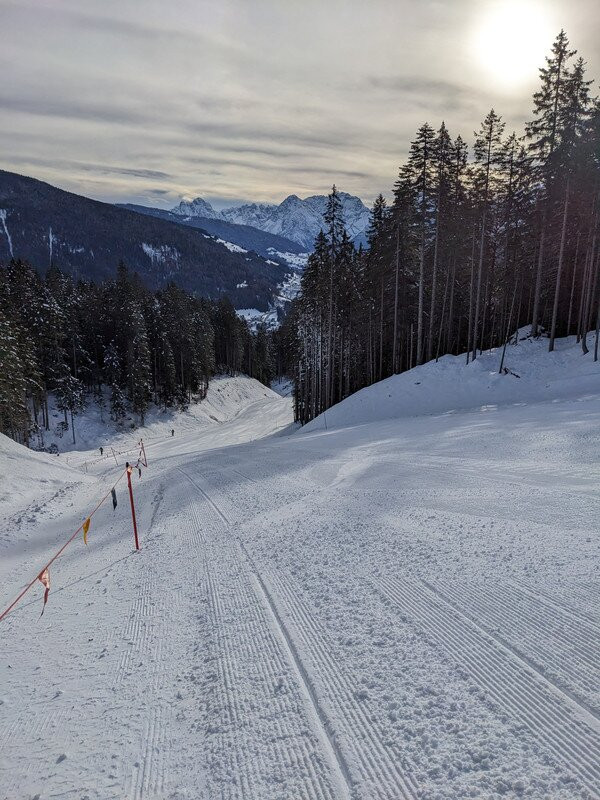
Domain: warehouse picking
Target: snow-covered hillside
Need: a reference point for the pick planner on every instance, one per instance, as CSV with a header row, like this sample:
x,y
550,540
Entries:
x,y
287,290
530,375
28,481
226,396
402,609
295,219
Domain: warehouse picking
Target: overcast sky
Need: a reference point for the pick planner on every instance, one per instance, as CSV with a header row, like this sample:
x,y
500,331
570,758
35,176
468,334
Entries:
x,y
256,99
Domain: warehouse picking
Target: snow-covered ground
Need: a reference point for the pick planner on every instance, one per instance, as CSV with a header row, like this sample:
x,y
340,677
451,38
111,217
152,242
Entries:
x,y
283,386
401,608
529,374
28,481
297,260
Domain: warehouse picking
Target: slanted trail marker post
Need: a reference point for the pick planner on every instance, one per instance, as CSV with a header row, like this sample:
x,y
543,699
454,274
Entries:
x,y
135,530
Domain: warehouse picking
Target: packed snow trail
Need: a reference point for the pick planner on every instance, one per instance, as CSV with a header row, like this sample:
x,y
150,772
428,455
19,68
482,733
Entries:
x,y
401,609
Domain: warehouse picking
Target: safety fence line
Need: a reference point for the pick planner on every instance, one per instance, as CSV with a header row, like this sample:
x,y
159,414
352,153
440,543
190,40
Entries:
x,y
43,575
114,453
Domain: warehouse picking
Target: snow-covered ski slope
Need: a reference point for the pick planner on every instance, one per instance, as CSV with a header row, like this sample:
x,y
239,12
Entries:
x,y
406,608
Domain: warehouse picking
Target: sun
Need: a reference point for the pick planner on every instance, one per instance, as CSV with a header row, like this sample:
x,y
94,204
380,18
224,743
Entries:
x,y
510,40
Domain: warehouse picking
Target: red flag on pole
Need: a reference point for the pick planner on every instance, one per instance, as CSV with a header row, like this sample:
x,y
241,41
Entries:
x,y
44,578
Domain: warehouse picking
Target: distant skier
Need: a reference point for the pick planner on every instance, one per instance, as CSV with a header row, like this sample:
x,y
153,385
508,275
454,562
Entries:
x,y
172,431
101,451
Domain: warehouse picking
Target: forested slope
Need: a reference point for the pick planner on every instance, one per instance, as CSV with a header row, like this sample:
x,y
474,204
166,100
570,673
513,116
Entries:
x,y
476,243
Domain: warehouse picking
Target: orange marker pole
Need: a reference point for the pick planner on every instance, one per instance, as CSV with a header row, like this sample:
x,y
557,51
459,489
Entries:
x,y
135,530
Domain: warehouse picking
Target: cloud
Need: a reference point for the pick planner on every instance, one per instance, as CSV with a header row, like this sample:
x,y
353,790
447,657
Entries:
x,y
136,173
84,109
233,99
100,169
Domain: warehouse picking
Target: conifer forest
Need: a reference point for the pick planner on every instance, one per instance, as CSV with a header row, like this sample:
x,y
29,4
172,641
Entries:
x,y
479,239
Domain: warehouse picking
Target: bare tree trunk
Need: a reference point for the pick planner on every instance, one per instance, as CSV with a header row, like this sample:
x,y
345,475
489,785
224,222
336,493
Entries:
x,y
394,346
597,331
518,318
441,325
582,294
593,292
478,293
421,299
538,281
470,332
563,236
589,294
381,334
573,279
451,309
506,338
433,283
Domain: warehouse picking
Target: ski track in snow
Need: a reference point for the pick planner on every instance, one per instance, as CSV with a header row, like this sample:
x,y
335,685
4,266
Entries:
x,y
405,610
254,636
540,638
569,732
376,765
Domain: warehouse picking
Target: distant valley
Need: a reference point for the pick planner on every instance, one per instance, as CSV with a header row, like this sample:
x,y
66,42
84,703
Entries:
x,y
251,253
86,238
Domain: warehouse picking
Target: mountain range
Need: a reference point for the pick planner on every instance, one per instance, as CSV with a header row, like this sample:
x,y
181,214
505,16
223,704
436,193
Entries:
x,y
251,252
46,225
295,219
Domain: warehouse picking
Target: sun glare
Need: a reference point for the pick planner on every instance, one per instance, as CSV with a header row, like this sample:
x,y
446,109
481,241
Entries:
x,y
511,40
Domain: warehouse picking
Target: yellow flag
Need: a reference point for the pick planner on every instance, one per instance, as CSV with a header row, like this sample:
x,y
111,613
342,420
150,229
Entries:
x,y
86,527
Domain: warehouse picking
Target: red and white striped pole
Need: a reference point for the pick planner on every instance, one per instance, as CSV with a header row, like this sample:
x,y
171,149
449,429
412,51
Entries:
x,y
135,530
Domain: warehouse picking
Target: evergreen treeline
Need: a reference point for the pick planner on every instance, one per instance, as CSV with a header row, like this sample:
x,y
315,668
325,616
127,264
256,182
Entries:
x,y
471,247
73,339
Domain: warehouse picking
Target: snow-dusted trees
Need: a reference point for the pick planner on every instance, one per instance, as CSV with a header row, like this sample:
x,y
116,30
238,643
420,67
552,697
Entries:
x,y
562,122
113,379
70,397
115,344
138,361
14,418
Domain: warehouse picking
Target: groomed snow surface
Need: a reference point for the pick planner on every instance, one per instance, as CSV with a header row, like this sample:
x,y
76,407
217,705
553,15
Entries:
x,y
398,608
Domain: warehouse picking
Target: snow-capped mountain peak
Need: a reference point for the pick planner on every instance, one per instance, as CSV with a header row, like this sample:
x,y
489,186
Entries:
x,y
294,218
195,208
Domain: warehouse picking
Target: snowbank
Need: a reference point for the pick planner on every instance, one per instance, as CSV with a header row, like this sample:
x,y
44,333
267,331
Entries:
x,y
28,477
535,375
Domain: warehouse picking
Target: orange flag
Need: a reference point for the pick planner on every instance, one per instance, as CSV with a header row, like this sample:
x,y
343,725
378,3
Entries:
x,y
86,527
44,578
